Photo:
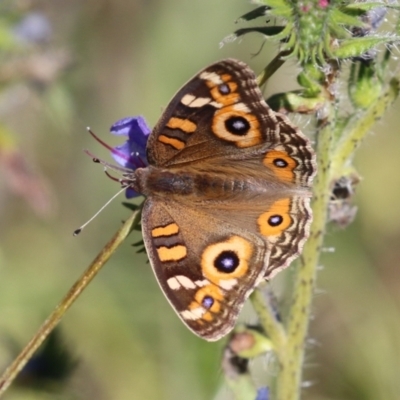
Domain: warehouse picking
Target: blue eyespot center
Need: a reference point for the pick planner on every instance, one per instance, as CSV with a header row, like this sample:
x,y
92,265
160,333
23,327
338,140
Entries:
x,y
275,220
207,302
280,163
224,89
227,261
237,125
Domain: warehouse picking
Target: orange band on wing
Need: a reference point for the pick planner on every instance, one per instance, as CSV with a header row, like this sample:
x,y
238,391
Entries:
x,y
168,230
176,143
174,253
183,124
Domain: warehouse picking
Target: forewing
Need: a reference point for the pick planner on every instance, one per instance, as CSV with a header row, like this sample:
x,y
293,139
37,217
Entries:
x,y
219,118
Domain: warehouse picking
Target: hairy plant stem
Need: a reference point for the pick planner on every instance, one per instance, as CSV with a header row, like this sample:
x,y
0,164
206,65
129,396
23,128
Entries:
x,y
52,321
332,162
289,379
269,322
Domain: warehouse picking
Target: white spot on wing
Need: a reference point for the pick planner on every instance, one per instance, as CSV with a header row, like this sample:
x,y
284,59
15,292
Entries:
x,y
194,314
211,76
185,282
241,107
179,281
173,283
196,102
187,99
227,284
200,102
279,148
216,104
202,283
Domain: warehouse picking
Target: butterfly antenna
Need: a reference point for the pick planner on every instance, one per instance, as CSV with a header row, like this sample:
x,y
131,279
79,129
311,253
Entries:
x,y
113,178
98,139
107,146
106,164
80,229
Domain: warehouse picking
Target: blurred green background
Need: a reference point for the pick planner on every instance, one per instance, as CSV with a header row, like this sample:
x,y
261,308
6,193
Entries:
x,y
111,59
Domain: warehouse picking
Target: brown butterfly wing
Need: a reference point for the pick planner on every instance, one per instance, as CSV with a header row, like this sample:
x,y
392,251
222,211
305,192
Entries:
x,y
194,125
250,172
197,130
205,266
220,118
258,213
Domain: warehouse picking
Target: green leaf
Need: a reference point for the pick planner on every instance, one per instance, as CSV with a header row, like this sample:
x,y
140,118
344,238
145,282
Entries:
x,y
280,8
339,17
267,30
356,47
131,206
295,102
364,85
256,13
364,7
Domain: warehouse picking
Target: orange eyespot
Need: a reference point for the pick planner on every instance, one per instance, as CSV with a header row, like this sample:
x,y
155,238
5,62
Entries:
x,y
282,165
235,124
224,95
226,260
274,221
207,302
209,297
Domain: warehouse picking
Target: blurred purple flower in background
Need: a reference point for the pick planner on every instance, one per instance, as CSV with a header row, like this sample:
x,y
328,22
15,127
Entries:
x,y
262,394
33,28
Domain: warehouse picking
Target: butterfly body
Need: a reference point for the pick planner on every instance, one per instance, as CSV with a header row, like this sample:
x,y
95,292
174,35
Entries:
x,y
206,186
227,196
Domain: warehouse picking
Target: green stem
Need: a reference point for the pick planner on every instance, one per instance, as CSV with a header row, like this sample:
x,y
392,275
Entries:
x,y
289,379
272,327
52,321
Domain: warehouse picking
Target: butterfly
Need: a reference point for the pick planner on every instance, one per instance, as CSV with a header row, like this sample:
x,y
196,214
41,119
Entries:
x,y
228,190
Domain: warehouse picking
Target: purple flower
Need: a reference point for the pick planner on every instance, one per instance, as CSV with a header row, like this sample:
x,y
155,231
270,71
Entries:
x,y
131,154
33,28
262,394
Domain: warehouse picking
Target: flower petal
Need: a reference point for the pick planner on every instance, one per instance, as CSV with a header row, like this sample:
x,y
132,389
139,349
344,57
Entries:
x,y
131,154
